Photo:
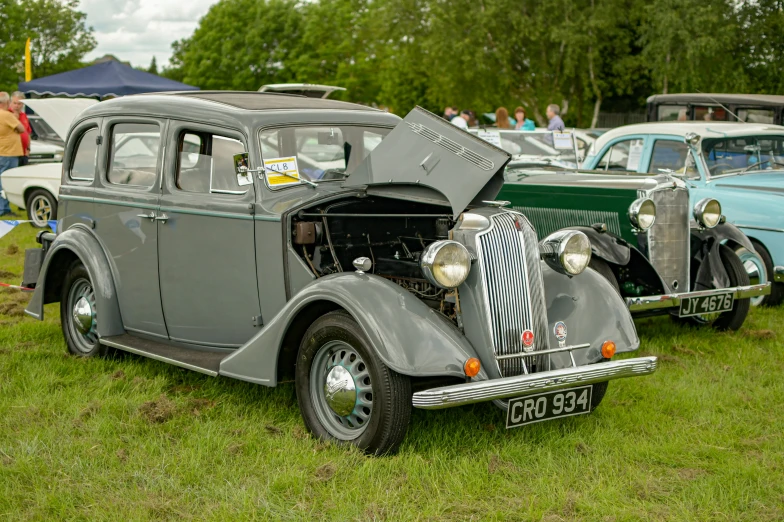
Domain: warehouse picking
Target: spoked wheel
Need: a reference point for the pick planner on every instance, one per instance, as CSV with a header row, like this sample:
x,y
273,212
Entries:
x,y
78,313
345,392
41,208
755,269
732,319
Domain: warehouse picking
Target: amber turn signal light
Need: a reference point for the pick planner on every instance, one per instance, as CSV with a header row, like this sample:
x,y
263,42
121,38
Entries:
x,y
608,349
471,367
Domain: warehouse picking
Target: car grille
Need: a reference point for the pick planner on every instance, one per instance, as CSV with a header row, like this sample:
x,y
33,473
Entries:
x,y
512,280
548,220
668,238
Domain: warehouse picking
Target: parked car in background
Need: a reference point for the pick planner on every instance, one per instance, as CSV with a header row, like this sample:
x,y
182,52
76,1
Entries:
x,y
311,90
34,187
392,281
642,241
749,108
739,164
538,148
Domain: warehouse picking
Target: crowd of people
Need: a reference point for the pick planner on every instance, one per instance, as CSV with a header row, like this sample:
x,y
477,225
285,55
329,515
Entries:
x,y
466,118
15,135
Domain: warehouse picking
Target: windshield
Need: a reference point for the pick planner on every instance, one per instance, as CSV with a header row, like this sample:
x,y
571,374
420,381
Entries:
x,y
317,153
733,155
533,147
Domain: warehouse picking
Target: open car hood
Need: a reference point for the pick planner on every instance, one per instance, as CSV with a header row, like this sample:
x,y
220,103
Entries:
x,y
426,158
59,113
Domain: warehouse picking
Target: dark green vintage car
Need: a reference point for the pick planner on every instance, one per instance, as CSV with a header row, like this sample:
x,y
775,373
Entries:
x,y
661,255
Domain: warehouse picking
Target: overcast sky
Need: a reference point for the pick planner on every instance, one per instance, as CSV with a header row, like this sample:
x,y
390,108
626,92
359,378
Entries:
x,y
137,30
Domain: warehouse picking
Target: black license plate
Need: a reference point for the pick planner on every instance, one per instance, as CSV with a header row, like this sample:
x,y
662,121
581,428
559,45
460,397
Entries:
x,y
709,304
548,405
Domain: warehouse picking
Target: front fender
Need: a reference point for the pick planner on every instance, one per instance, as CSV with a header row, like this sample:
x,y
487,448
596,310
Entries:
x,y
78,242
592,311
607,246
407,335
721,232
705,245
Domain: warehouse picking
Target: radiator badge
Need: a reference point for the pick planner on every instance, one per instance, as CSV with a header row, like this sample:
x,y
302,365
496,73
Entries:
x,y
528,340
560,333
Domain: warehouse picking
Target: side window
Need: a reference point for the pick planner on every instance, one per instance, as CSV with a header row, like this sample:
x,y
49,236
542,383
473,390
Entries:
x,y
134,156
673,112
668,156
622,155
206,164
84,158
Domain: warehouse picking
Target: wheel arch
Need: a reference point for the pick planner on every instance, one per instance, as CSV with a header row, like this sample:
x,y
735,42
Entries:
x,y
32,188
77,243
406,334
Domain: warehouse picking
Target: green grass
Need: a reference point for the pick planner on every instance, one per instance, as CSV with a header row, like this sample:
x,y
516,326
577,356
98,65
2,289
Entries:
x,y
131,438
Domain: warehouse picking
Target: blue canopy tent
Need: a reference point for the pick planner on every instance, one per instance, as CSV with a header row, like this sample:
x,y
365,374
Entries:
x,y
101,80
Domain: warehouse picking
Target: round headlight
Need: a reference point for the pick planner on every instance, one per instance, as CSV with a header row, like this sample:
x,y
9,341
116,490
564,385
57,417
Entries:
x,y
567,251
446,263
707,212
642,213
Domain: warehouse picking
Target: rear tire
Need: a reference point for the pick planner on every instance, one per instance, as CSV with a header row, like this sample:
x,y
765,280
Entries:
x,y
345,392
41,208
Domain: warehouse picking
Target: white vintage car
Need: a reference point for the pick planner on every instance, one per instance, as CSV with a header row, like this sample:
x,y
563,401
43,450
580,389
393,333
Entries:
x,y
35,187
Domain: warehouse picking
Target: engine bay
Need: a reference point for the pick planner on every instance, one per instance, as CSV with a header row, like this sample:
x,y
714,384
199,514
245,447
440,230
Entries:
x,y
391,233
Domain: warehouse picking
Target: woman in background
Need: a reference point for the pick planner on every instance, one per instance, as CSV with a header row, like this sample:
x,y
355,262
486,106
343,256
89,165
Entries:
x,y
502,118
523,123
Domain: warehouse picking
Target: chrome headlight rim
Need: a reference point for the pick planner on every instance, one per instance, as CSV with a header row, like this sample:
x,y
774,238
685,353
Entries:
x,y
636,211
556,247
429,260
701,211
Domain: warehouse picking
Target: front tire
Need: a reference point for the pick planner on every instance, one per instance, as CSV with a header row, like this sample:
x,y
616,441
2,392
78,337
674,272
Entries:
x,y
345,392
79,314
41,208
733,319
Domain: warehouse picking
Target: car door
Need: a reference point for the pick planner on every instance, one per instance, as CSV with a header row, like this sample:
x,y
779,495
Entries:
x,y
126,208
623,154
207,260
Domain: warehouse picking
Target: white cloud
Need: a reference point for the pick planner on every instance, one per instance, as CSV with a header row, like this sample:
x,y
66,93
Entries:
x,y
137,30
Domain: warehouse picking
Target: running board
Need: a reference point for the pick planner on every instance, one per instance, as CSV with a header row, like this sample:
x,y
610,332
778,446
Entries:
x,y
196,360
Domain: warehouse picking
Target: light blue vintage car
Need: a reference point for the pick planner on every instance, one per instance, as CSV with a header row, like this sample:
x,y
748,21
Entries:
x,y
739,164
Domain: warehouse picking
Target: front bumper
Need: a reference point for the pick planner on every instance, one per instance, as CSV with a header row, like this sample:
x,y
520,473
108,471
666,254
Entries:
x,y
521,385
655,302
778,274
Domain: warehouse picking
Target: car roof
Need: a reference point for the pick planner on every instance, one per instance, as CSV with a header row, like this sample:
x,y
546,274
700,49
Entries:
x,y
259,101
707,129
713,99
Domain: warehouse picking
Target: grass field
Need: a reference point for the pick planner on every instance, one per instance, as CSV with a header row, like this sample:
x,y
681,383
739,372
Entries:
x,y
133,439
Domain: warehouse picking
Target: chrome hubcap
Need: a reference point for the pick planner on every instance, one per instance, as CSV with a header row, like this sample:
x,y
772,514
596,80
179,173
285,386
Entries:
x,y
341,390
755,268
40,210
83,315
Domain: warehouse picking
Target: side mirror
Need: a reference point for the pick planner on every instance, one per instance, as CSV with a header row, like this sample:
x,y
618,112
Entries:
x,y
242,169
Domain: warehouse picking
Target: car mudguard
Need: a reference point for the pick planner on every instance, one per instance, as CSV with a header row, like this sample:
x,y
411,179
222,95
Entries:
x,y
78,242
408,336
607,246
593,313
705,244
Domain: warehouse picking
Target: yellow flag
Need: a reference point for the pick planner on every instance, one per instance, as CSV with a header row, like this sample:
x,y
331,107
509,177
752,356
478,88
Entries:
x,y
28,62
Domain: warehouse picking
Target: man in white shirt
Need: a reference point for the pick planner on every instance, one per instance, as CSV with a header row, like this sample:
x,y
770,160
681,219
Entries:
x,y
461,120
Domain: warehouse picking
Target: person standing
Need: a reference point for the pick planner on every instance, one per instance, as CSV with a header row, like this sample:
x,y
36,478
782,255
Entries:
x,y
555,123
502,118
17,107
10,144
461,120
523,123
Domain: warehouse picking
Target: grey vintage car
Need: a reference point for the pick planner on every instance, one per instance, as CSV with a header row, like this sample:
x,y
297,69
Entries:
x,y
263,237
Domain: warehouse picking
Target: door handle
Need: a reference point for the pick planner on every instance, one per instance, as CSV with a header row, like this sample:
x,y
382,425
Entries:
x,y
150,216
163,218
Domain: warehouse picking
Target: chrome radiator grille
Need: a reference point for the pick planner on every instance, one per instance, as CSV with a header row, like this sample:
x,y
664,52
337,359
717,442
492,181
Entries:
x,y
668,238
512,279
548,220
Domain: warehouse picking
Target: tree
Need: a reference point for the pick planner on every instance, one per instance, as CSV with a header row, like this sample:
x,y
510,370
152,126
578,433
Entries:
x,y
153,68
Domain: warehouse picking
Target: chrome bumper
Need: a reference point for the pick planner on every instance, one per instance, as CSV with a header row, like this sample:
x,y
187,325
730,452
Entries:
x,y
653,302
521,385
778,274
